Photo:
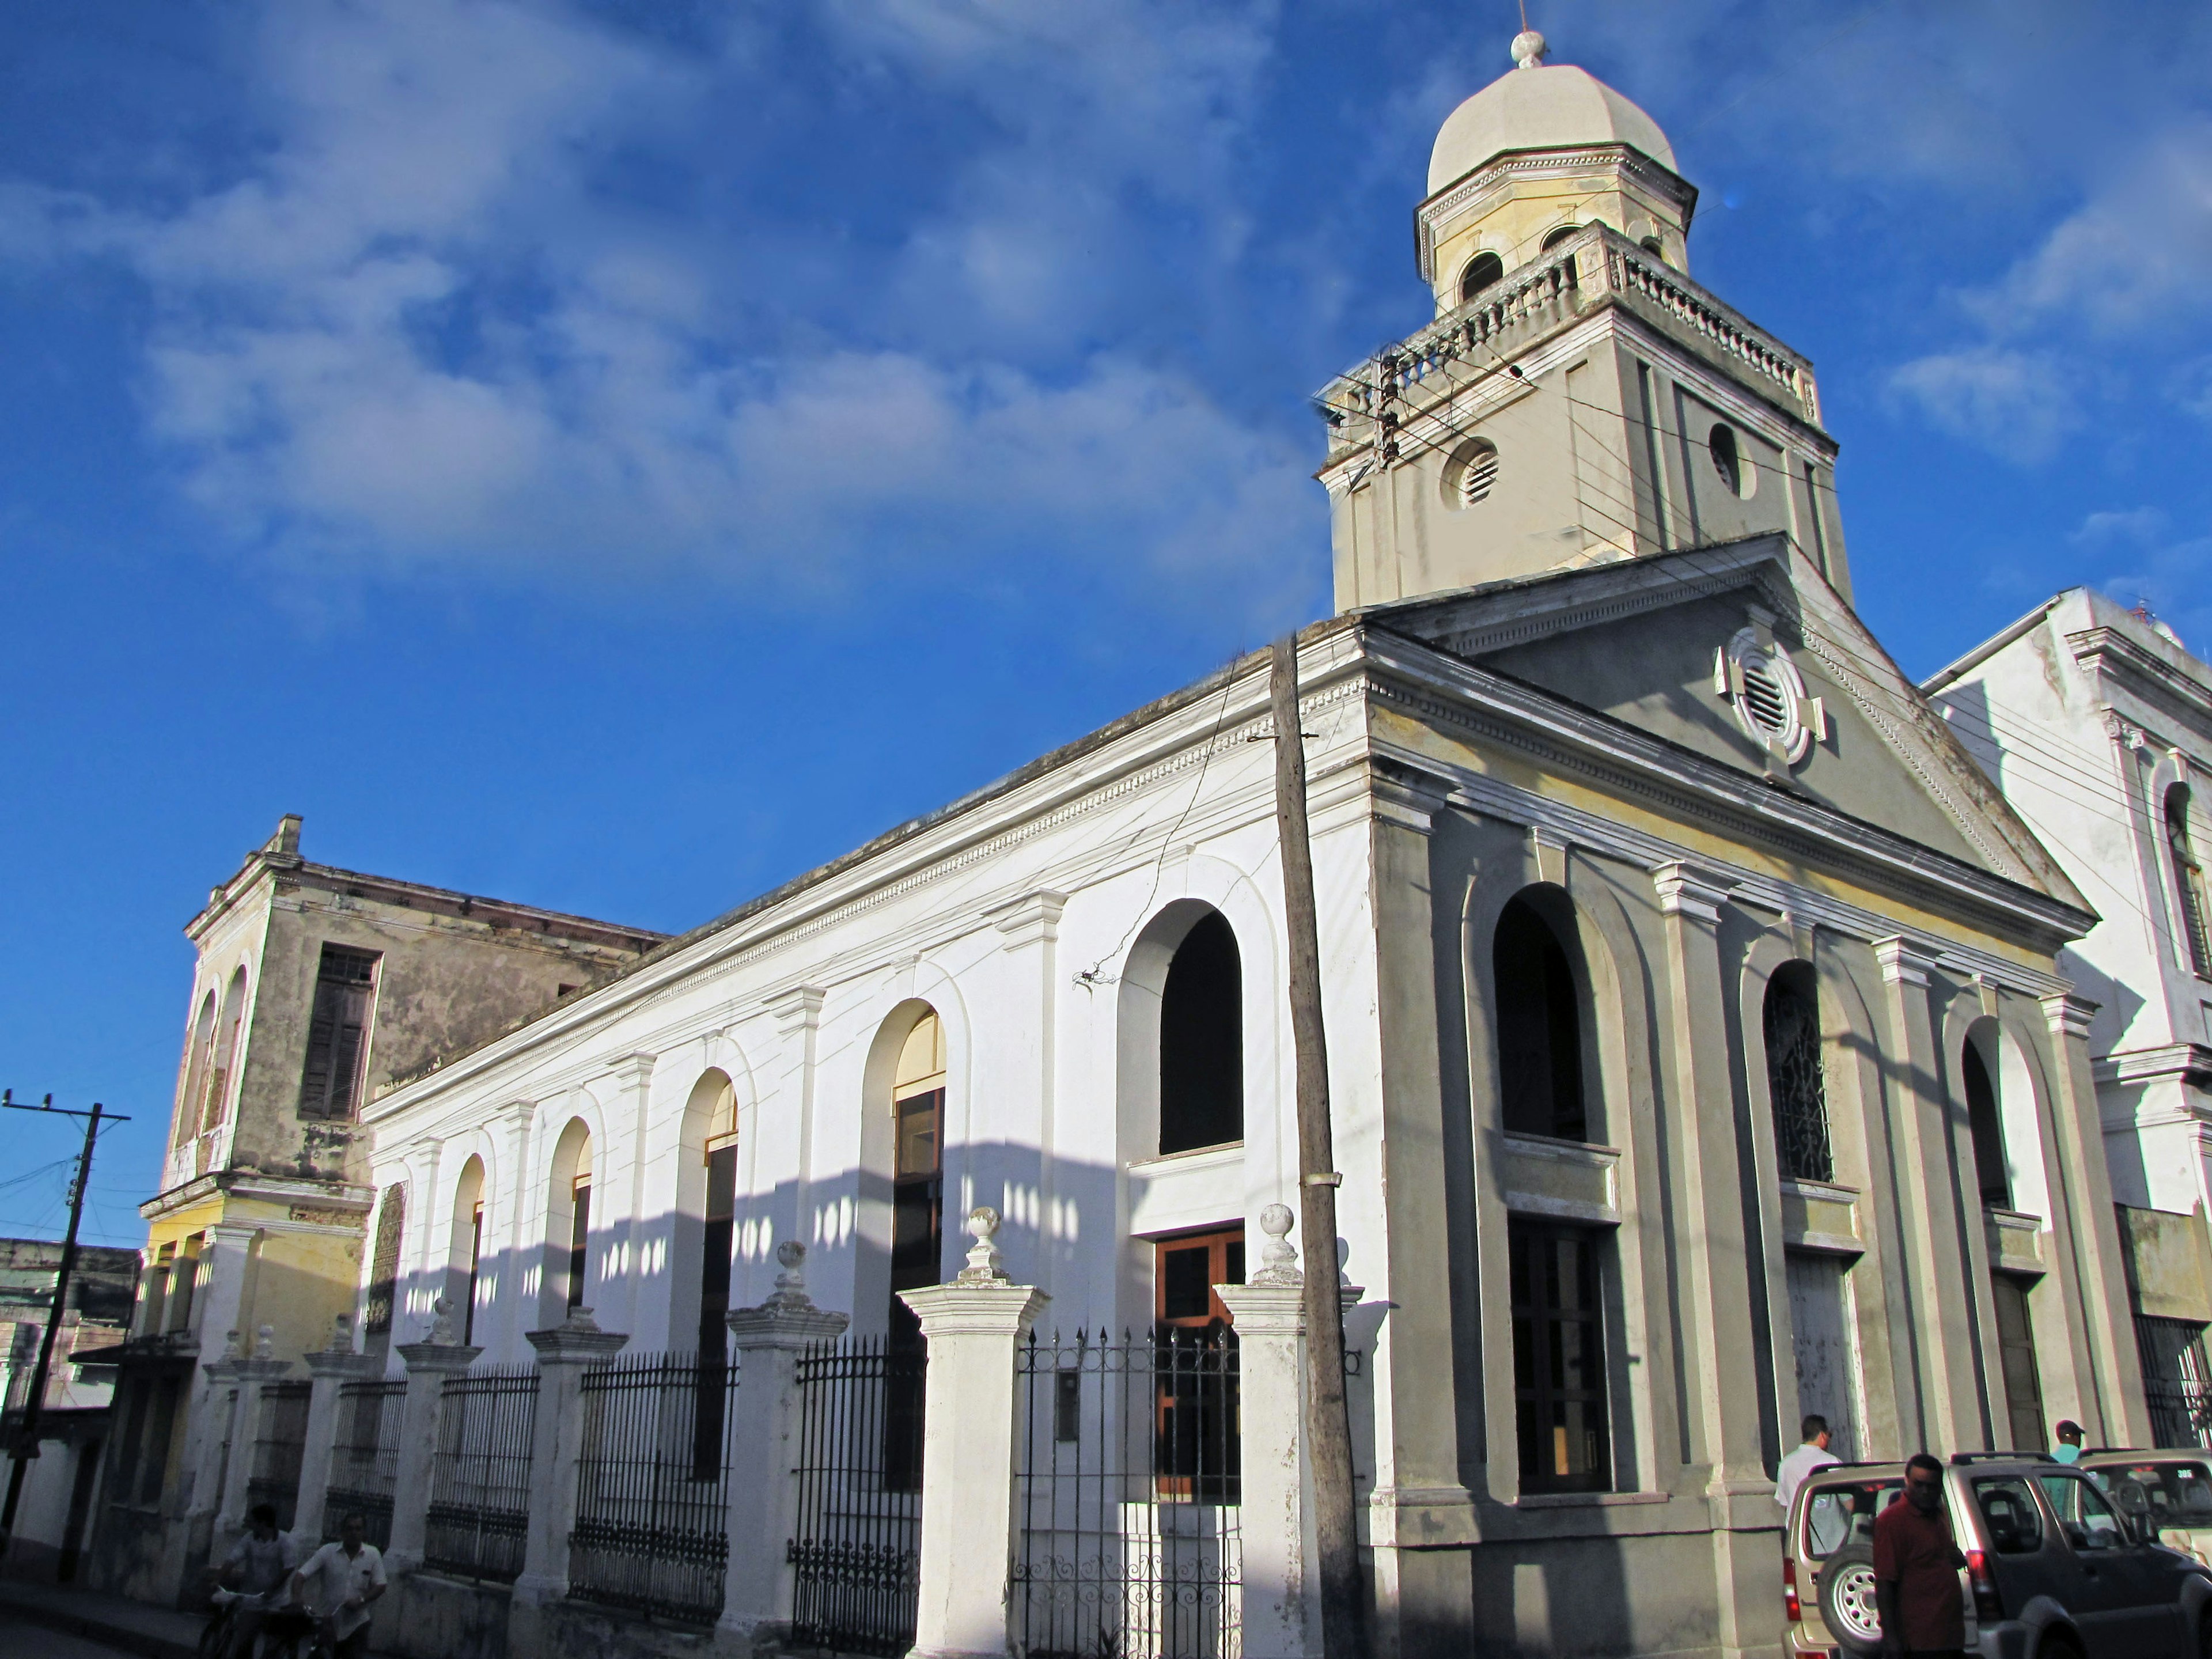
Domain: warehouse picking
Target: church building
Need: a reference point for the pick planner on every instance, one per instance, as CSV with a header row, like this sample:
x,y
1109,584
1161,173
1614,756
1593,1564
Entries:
x,y
1670,945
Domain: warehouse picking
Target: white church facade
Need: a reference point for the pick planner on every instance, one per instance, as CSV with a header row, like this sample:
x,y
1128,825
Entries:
x,y
1662,926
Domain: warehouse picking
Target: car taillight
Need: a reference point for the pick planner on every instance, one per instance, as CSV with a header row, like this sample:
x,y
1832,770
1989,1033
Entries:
x,y
1986,1602
1790,1610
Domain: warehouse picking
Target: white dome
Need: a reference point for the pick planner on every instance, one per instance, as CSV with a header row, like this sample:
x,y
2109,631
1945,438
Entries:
x,y
1544,107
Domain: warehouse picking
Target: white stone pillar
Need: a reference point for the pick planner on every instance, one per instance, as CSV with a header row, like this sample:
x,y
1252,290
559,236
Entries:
x,y
252,1375
329,1370
429,1364
973,1326
764,1428
556,1444
219,1305
215,1417
1281,1612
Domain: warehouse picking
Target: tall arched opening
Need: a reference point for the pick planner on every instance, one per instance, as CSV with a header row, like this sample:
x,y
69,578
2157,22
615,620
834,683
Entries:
x,y
464,1245
564,1275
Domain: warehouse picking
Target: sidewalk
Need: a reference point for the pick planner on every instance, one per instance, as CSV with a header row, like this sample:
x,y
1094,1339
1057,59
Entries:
x,y
151,1632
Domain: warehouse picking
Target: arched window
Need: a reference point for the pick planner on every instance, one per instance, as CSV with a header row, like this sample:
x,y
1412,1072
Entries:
x,y
224,1062
1985,1127
1202,1040
1481,271
384,1264
563,1276
917,1170
1792,1025
1540,1048
198,1049
1552,239
2188,881
718,1236
1654,246
465,1252
579,1226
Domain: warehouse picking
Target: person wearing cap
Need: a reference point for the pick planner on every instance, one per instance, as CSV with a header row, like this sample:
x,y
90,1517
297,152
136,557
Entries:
x,y
2068,1449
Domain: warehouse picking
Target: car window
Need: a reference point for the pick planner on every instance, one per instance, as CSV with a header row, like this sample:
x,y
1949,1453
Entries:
x,y
1835,1514
2173,1494
2009,1516
2084,1517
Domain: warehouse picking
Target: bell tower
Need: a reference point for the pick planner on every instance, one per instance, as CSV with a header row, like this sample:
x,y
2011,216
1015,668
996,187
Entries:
x,y
1577,398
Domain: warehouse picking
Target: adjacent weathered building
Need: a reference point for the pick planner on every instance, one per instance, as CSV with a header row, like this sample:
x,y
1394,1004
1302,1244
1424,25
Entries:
x,y
2097,724
313,987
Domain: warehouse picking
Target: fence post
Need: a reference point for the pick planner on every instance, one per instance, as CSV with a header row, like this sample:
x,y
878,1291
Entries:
x,y
252,1375
1281,1612
429,1364
329,1370
556,1445
764,1428
973,1326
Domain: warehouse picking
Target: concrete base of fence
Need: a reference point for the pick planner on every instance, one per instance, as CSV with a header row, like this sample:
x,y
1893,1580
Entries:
x,y
440,1618
575,1629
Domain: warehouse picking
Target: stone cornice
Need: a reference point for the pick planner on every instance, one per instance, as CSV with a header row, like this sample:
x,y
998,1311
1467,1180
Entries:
x,y
2190,1062
2110,654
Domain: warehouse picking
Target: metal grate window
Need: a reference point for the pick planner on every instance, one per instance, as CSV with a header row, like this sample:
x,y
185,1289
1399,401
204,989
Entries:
x,y
2177,1381
2188,881
337,1032
1127,1487
652,1530
280,1440
365,1461
479,1516
856,1550
384,1264
1794,1079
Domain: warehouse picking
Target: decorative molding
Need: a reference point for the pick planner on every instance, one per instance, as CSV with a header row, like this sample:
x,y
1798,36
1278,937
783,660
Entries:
x,y
1031,920
795,1010
2069,1016
1690,889
1905,961
1548,850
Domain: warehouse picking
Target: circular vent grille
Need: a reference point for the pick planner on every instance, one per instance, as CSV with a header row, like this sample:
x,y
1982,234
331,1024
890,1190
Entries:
x,y
1477,477
1769,704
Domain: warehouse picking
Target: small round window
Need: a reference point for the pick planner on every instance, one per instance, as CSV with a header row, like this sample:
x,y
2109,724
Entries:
x,y
1481,271
1471,475
1736,472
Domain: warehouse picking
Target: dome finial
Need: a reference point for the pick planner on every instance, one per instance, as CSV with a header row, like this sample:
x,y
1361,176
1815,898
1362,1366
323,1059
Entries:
x,y
1528,49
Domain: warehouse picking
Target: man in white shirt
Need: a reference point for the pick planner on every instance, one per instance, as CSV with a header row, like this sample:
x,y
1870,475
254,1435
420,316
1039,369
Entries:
x,y
1813,1455
338,1582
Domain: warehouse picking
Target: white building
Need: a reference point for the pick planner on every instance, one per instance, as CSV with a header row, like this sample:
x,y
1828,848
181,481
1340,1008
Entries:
x,y
2097,724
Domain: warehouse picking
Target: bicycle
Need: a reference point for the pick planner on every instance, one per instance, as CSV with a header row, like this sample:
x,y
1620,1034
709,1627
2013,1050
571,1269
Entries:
x,y
288,1630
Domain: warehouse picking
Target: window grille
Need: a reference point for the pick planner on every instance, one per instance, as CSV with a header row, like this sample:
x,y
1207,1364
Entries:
x,y
1795,1081
279,1441
1558,1358
856,1549
2177,1381
479,1516
337,1032
2188,882
383,1265
365,1461
652,1532
1127,1489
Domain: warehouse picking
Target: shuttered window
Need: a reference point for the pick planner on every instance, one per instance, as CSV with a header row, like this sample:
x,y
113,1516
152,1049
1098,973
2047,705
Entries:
x,y
337,1032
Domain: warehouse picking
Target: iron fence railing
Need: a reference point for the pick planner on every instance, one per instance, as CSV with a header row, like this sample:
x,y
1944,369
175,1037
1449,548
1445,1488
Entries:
x,y
479,1516
2177,1381
279,1441
856,1550
652,1485
1127,1492
365,1459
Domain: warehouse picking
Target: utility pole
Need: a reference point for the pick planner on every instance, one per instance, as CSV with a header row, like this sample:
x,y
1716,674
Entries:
x,y
1329,1422
27,1441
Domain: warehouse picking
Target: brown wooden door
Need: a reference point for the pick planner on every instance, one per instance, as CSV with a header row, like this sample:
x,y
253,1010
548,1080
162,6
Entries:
x,y
1195,1453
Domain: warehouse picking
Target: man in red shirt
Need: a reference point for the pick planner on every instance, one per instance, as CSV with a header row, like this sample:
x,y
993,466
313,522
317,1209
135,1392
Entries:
x,y
1916,1570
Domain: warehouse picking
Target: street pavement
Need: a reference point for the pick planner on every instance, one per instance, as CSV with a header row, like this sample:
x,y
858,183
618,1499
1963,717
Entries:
x,y
20,1639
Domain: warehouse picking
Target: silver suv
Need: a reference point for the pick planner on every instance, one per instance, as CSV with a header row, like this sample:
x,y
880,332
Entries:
x,y
2053,1568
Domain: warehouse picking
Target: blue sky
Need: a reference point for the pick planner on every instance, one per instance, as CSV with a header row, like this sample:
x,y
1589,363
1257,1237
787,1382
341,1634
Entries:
x,y
616,455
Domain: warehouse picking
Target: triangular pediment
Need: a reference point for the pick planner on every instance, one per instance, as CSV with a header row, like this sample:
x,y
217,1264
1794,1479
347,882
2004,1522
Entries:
x,y
1648,641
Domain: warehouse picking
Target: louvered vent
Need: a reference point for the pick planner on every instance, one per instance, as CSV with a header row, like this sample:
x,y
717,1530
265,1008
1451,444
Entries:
x,y
1769,702
1480,473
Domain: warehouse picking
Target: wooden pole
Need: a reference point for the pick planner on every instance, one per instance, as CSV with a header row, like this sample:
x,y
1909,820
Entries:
x,y
1329,1423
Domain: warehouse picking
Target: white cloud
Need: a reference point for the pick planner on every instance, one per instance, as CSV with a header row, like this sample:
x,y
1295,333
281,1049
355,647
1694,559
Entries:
x,y
417,329
2019,404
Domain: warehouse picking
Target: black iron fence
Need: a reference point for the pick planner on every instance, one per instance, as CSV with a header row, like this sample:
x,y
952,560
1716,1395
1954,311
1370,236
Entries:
x,y
2177,1381
856,1550
653,1486
1127,1491
365,1460
279,1440
479,1516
